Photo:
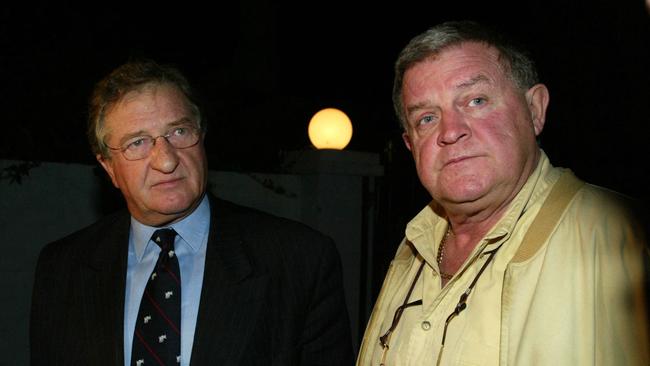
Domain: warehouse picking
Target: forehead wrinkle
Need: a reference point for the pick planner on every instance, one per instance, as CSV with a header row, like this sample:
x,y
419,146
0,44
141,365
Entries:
x,y
478,79
181,121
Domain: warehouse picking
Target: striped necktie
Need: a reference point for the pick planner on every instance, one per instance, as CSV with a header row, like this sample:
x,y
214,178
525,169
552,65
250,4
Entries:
x,y
157,337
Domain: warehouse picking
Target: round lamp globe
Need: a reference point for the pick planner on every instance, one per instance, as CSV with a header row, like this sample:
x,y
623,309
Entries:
x,y
330,128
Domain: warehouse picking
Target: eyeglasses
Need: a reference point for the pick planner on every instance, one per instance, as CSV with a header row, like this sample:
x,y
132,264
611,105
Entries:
x,y
385,339
139,147
462,305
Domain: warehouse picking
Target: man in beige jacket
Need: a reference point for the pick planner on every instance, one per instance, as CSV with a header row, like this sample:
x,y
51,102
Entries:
x,y
514,261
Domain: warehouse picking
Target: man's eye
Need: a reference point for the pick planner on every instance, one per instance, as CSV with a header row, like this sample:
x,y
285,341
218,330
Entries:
x,y
426,120
477,101
180,131
134,144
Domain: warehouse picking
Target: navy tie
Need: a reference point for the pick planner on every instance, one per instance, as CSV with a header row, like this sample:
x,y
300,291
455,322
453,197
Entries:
x,y
157,337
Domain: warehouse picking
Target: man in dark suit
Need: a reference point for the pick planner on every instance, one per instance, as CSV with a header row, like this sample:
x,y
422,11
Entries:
x,y
255,289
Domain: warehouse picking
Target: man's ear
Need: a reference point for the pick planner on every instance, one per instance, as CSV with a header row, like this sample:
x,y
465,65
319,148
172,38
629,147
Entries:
x,y
407,140
107,164
537,98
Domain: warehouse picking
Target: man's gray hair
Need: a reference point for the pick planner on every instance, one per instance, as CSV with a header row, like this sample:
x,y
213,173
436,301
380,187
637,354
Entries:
x,y
514,59
131,76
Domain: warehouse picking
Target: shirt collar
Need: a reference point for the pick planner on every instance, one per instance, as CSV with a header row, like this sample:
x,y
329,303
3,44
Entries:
x,y
536,185
192,230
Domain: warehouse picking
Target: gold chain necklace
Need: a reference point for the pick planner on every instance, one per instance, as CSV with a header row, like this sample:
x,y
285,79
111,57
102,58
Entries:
x,y
441,254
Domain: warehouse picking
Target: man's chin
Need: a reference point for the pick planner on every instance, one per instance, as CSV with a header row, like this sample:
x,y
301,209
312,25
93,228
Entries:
x,y
460,198
169,212
159,218
464,191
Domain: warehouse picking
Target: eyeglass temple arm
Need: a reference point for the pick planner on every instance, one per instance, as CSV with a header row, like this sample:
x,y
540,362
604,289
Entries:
x,y
462,302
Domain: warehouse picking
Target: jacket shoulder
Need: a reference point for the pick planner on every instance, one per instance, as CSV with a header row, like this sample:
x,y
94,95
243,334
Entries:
x,y
77,242
257,224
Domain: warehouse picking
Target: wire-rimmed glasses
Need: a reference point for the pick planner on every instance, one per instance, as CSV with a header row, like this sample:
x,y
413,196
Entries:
x,y
139,147
462,305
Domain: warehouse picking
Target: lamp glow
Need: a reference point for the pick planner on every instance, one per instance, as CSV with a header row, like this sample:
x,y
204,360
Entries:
x,y
330,128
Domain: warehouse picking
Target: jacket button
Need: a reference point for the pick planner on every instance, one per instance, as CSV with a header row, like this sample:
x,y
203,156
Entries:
x,y
426,325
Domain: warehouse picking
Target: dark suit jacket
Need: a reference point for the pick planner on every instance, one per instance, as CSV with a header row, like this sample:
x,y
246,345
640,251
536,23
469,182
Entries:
x,y
272,295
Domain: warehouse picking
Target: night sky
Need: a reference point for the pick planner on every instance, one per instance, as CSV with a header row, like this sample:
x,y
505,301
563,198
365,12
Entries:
x,y
264,68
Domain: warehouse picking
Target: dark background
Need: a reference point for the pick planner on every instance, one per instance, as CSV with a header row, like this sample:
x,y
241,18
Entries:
x,y
266,67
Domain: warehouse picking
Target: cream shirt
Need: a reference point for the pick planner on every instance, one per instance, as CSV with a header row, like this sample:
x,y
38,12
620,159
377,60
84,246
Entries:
x,y
486,334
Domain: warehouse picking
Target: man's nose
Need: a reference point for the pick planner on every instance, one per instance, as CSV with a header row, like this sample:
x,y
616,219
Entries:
x,y
453,128
164,157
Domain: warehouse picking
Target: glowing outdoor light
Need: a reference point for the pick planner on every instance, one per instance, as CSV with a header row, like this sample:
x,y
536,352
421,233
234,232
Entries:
x,y
330,128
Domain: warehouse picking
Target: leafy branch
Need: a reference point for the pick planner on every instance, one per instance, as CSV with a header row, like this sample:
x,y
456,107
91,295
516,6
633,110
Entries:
x,y
16,172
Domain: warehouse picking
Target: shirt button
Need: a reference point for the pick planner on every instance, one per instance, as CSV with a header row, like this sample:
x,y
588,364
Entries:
x,y
426,325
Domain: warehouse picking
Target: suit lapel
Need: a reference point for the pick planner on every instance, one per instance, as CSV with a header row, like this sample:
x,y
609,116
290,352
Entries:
x,y
102,295
232,294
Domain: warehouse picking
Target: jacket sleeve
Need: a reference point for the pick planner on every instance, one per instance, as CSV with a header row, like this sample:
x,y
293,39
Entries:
x,y
326,336
621,299
46,312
